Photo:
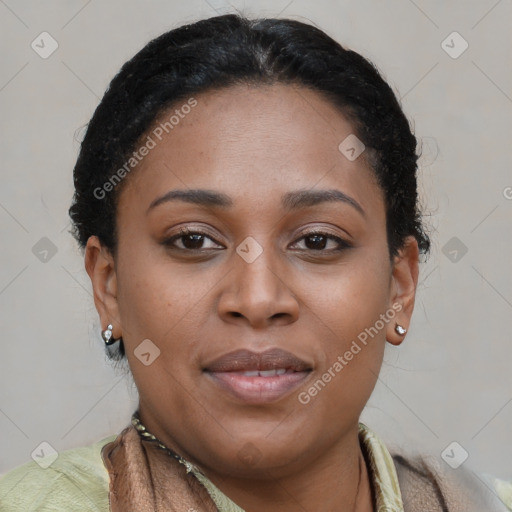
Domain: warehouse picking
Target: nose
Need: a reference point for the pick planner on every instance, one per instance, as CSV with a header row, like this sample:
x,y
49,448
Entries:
x,y
258,293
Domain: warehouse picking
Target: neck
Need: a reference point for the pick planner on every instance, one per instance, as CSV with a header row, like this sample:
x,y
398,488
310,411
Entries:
x,y
338,481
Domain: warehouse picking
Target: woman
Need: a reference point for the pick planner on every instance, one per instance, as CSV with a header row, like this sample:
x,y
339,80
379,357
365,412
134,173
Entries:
x,y
246,197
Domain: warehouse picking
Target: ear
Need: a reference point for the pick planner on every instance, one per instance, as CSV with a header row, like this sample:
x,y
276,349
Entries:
x,y
100,265
404,279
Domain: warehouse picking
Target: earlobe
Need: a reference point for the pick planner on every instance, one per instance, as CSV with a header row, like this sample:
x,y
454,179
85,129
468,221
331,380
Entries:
x,y
404,280
100,266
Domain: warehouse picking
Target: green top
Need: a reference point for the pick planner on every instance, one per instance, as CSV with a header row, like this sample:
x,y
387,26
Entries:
x,y
78,481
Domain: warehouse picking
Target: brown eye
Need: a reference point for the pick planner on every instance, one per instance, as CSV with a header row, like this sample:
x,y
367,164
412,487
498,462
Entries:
x,y
318,241
194,241
191,240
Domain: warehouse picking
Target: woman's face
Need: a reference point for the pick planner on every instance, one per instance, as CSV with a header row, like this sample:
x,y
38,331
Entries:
x,y
285,271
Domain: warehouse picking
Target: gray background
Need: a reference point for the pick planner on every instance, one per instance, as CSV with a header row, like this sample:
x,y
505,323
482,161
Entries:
x,y
451,378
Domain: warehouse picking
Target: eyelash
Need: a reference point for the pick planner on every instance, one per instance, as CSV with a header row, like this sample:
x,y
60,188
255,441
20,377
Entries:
x,y
343,244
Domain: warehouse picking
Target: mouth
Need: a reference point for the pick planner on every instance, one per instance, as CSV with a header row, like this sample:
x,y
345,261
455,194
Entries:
x,y
258,378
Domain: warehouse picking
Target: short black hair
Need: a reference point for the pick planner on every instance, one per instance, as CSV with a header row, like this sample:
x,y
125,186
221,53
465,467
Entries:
x,y
227,50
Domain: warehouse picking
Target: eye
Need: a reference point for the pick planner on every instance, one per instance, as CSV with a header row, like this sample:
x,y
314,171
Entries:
x,y
191,240
188,239
318,240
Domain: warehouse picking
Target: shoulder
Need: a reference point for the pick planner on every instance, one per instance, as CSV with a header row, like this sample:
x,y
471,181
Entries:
x,y
76,480
428,481
504,490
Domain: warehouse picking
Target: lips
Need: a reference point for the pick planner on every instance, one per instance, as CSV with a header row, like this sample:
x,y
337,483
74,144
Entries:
x,y
258,378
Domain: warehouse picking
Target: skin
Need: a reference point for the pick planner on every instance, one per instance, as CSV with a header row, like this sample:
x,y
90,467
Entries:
x,y
256,144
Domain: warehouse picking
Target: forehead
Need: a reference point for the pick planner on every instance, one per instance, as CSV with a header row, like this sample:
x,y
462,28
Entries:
x,y
251,141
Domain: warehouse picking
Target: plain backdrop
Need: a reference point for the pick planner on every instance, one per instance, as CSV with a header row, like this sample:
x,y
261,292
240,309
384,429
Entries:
x,y
450,381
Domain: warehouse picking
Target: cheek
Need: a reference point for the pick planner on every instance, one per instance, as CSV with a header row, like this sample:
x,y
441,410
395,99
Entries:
x,y
354,318
148,293
351,297
164,302
159,304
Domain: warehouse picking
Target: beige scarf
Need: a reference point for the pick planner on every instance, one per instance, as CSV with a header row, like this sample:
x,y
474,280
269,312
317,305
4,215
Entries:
x,y
144,478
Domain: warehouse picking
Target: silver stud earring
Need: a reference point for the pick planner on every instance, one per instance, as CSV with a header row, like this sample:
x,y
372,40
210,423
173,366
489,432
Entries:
x,y
107,335
400,330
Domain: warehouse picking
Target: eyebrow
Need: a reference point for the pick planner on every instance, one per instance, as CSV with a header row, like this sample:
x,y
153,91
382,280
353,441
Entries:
x,y
290,201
